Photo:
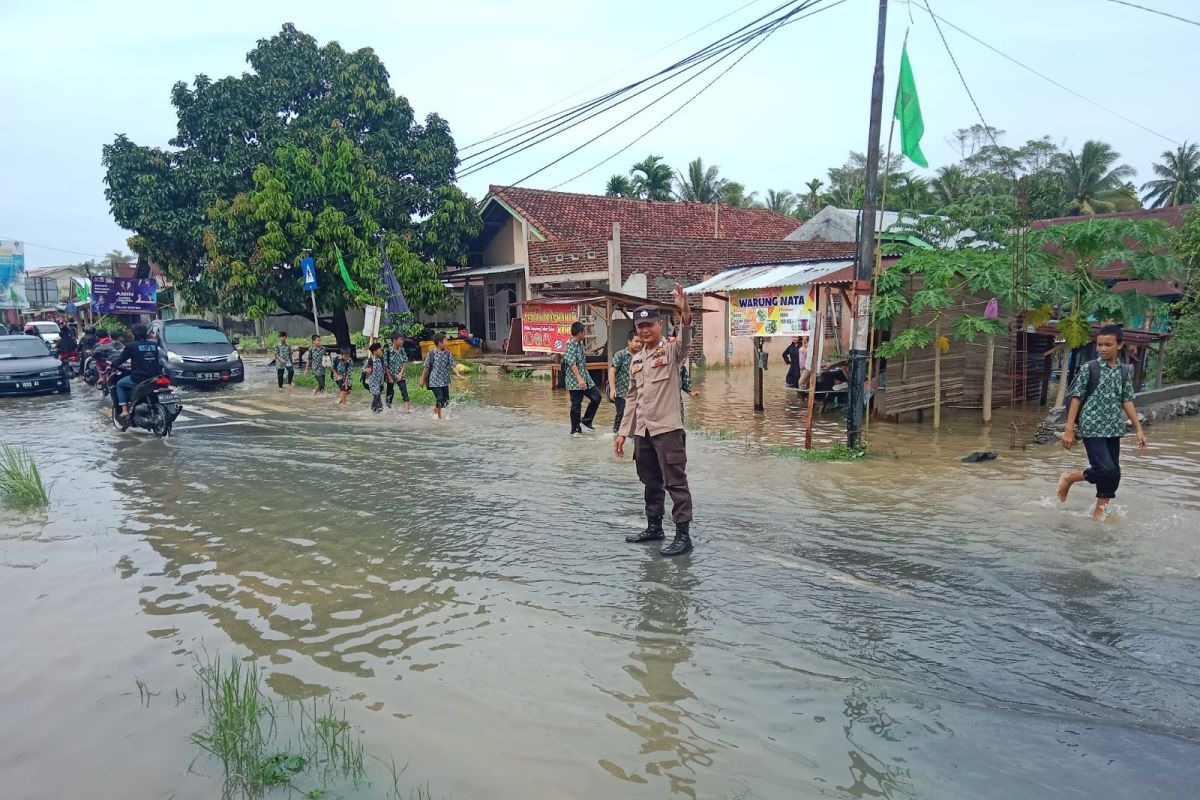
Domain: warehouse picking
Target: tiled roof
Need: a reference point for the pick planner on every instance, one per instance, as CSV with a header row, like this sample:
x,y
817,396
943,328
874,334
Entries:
x,y
1170,216
1148,288
566,215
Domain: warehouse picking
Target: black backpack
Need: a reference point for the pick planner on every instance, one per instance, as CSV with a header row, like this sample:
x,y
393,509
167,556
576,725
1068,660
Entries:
x,y
1093,368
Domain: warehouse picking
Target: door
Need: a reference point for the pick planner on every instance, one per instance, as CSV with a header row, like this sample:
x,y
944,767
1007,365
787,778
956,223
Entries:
x,y
500,312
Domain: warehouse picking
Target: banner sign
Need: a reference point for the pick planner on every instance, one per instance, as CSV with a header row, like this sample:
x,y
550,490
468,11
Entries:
x,y
775,311
372,316
12,275
124,295
546,327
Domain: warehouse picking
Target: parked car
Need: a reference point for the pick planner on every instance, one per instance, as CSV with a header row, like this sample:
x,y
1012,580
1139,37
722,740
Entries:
x,y
28,367
47,328
196,351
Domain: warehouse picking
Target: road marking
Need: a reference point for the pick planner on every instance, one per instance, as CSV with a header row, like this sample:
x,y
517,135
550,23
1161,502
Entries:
x,y
250,412
205,412
220,424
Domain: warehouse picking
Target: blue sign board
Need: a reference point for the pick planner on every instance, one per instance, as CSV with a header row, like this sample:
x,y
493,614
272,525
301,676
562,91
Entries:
x,y
310,273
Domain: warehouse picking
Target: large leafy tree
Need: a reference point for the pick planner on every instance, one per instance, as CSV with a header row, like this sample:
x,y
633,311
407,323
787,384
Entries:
x,y
653,179
700,184
311,151
619,186
1094,182
1182,362
1178,181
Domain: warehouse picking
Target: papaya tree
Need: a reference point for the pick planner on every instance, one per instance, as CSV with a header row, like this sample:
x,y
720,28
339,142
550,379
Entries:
x,y
310,152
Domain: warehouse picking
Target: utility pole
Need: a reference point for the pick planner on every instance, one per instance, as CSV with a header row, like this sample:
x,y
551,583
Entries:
x,y
860,335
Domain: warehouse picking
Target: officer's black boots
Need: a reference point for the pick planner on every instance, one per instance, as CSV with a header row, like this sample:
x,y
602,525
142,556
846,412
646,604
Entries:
x,y
682,543
653,532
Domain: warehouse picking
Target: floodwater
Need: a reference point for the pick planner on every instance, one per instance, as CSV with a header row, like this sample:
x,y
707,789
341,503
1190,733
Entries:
x,y
903,627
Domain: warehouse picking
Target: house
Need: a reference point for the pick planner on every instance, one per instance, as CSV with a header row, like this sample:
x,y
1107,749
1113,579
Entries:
x,y
535,241
832,224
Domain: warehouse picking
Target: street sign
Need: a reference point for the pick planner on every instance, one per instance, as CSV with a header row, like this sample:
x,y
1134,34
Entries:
x,y
310,273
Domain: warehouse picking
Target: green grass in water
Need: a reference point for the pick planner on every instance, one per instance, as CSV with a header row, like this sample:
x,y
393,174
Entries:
x,y
835,452
20,481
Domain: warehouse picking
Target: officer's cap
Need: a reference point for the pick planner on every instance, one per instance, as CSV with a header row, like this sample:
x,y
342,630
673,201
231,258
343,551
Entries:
x,y
646,314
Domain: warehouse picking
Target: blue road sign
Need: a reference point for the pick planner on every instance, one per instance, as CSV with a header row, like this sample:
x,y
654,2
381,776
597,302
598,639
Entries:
x,y
310,274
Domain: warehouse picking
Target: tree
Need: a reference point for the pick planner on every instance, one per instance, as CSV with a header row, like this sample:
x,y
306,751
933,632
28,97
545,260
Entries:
x,y
952,185
652,179
619,186
700,184
910,193
780,202
1178,180
1093,180
1182,357
734,194
309,151
847,183
812,197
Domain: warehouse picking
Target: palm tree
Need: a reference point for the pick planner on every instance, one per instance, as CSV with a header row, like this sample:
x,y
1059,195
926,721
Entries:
x,y
951,186
910,193
619,186
734,194
700,185
1178,178
1093,179
780,202
812,198
652,179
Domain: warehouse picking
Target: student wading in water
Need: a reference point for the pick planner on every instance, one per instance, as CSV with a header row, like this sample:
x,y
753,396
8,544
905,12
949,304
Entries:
x,y
653,417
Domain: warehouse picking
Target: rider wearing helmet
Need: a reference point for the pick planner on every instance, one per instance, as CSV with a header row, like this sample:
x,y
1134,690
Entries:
x,y
142,356
89,340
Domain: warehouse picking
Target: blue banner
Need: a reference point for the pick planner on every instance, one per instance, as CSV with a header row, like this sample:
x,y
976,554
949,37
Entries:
x,y
124,295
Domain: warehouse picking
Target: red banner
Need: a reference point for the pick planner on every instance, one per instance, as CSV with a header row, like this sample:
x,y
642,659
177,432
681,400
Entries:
x,y
546,327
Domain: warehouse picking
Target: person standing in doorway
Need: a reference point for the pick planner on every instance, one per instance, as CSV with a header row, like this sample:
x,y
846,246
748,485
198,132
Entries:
x,y
283,360
435,375
1103,389
395,359
618,376
316,364
653,418
579,382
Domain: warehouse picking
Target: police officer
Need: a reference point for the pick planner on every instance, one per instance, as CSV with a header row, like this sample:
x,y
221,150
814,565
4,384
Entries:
x,y
653,416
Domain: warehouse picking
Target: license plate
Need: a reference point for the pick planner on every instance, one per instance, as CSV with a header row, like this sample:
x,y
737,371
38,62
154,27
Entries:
x,y
209,376
29,384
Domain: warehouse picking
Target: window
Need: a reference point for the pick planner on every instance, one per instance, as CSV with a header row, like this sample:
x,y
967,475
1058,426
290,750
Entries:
x,y
194,334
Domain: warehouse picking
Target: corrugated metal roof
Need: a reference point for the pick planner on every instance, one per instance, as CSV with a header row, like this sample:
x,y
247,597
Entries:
x,y
764,276
475,272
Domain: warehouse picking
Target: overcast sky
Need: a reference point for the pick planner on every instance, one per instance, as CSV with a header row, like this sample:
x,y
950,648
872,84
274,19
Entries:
x,y
74,74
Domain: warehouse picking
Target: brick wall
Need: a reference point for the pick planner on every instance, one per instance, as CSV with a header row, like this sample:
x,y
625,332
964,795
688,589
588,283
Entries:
x,y
565,256
666,262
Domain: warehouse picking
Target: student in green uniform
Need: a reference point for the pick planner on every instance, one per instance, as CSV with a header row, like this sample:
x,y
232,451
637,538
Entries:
x,y
435,375
316,364
579,381
395,359
374,372
618,376
283,360
343,368
1103,389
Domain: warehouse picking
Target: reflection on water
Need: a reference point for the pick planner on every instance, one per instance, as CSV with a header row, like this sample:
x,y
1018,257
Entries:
x,y
902,627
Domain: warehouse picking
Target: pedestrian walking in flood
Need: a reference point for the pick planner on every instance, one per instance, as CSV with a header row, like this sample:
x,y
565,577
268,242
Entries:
x,y
579,382
283,360
316,364
618,376
435,375
653,417
375,373
795,356
395,359
343,370
1103,389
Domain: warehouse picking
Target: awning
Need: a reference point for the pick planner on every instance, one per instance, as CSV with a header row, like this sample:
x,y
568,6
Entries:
x,y
477,272
764,276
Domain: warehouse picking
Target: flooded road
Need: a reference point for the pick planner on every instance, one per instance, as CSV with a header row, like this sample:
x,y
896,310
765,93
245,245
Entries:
x,y
905,627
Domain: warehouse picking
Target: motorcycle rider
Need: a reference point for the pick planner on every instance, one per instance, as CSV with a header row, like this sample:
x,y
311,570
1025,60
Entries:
x,y
89,340
142,356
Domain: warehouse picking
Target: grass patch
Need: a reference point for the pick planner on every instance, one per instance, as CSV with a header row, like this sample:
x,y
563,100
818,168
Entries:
x,y
20,481
834,452
243,728
459,393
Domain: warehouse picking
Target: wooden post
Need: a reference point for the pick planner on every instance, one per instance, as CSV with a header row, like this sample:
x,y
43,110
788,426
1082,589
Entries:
x,y
814,357
988,362
1158,382
937,372
758,373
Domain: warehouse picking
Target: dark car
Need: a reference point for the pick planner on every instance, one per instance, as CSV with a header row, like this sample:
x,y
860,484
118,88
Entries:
x,y
27,367
196,351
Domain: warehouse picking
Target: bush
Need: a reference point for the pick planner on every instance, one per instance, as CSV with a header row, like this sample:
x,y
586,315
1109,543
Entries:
x,y
1182,361
20,481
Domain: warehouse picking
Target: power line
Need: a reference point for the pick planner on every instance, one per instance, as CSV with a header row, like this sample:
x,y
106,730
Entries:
x,y
571,117
1048,79
987,128
1156,11
48,247
580,91
677,109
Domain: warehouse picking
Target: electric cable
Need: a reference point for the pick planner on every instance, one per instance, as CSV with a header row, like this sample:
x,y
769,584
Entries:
x,y
1155,11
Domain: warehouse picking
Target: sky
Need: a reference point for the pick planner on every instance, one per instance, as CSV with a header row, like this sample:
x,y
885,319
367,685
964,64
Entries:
x,y
76,74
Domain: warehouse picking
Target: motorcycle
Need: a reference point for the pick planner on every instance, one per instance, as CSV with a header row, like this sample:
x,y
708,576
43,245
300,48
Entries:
x,y
95,366
153,405
73,362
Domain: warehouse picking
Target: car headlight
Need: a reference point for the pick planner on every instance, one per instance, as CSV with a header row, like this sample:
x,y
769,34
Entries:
x,y
233,357
50,373
174,358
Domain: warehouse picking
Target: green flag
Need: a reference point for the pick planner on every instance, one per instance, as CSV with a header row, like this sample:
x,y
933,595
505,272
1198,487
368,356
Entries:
x,y
908,111
345,273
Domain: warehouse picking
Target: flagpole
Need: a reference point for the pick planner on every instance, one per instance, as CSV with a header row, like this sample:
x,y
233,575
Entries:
x,y
878,260
866,251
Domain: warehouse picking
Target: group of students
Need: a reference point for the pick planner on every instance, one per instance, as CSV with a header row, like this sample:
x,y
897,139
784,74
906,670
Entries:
x,y
383,371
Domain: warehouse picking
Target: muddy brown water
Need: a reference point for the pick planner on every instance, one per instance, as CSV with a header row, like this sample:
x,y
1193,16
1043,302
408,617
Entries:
x,y
903,627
